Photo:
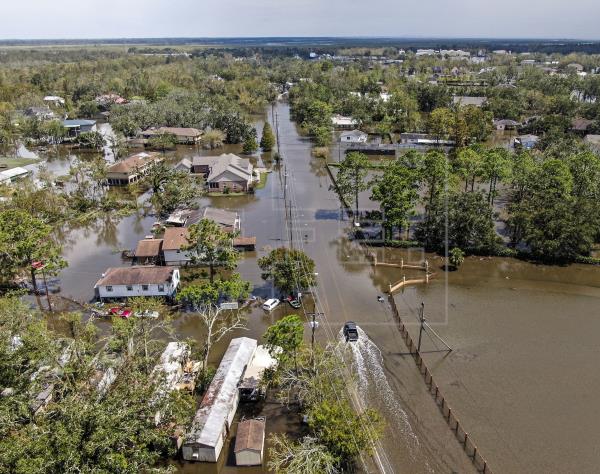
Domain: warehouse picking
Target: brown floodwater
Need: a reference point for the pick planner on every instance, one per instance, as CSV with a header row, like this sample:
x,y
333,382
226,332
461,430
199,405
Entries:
x,y
521,376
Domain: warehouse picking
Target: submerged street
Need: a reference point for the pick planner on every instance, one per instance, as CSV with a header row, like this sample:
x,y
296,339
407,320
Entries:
x,y
491,312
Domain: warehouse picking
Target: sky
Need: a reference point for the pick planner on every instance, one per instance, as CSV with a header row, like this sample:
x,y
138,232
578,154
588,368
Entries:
x,y
56,19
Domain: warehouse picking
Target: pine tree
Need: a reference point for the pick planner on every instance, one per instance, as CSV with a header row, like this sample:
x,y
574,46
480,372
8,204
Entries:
x,y
250,145
268,139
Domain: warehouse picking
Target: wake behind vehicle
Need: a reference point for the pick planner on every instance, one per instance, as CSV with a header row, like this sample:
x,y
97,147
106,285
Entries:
x,y
350,331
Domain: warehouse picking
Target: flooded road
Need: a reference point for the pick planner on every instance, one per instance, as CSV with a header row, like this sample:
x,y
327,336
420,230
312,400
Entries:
x,y
522,374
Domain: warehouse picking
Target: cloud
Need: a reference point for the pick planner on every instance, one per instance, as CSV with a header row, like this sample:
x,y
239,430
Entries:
x,y
209,18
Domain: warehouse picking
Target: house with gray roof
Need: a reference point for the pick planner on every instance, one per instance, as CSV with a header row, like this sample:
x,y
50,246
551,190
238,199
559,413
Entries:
x,y
354,136
224,173
76,127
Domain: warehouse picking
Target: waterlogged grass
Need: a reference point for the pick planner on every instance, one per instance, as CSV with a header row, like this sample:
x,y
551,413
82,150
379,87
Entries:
x,y
7,163
262,182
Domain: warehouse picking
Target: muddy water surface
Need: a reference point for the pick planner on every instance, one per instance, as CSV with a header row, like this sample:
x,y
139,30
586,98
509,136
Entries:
x,y
522,373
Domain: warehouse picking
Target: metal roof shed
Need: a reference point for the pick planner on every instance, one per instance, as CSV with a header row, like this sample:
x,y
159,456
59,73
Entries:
x,y
210,427
250,443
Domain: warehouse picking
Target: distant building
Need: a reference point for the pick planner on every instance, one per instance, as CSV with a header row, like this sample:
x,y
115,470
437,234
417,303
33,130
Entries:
x,y
581,125
423,139
576,66
105,101
343,123
54,100
182,135
527,142
464,101
131,169
505,124
385,96
355,136
582,96
425,52
76,127
205,438
127,282
41,113
593,141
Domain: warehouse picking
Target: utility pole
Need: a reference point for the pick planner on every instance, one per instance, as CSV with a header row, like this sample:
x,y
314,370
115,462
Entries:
x,y
422,323
313,326
277,135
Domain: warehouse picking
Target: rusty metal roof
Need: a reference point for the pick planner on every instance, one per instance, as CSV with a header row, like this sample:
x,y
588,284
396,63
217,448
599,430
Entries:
x,y
221,398
250,435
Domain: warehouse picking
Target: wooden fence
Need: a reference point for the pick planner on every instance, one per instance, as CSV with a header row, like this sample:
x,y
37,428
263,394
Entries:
x,y
463,437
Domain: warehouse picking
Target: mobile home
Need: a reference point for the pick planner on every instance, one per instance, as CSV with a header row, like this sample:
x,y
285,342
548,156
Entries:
x,y
210,427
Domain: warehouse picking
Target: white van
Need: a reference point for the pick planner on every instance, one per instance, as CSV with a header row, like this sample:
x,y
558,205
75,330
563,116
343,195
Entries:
x,y
270,304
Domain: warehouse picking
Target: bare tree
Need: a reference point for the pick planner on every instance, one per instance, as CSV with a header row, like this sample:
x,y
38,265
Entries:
x,y
305,457
217,325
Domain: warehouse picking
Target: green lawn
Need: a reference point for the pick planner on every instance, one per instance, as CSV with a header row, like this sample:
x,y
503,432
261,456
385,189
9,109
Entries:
x,y
263,181
8,163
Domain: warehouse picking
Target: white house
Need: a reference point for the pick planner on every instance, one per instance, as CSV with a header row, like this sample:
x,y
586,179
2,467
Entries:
x,y
210,427
354,136
126,282
344,123
174,242
54,100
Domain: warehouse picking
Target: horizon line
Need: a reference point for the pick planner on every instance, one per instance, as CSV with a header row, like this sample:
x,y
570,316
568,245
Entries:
x,y
348,37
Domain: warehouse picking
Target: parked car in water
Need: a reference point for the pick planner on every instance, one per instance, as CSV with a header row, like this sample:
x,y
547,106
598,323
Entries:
x,y
350,331
118,311
294,302
270,304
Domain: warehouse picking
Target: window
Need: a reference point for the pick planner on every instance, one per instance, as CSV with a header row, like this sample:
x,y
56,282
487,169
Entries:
x,y
161,288
144,287
213,185
109,288
129,288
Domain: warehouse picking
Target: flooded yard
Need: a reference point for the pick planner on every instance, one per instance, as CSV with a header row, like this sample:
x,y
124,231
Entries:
x,y
522,372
